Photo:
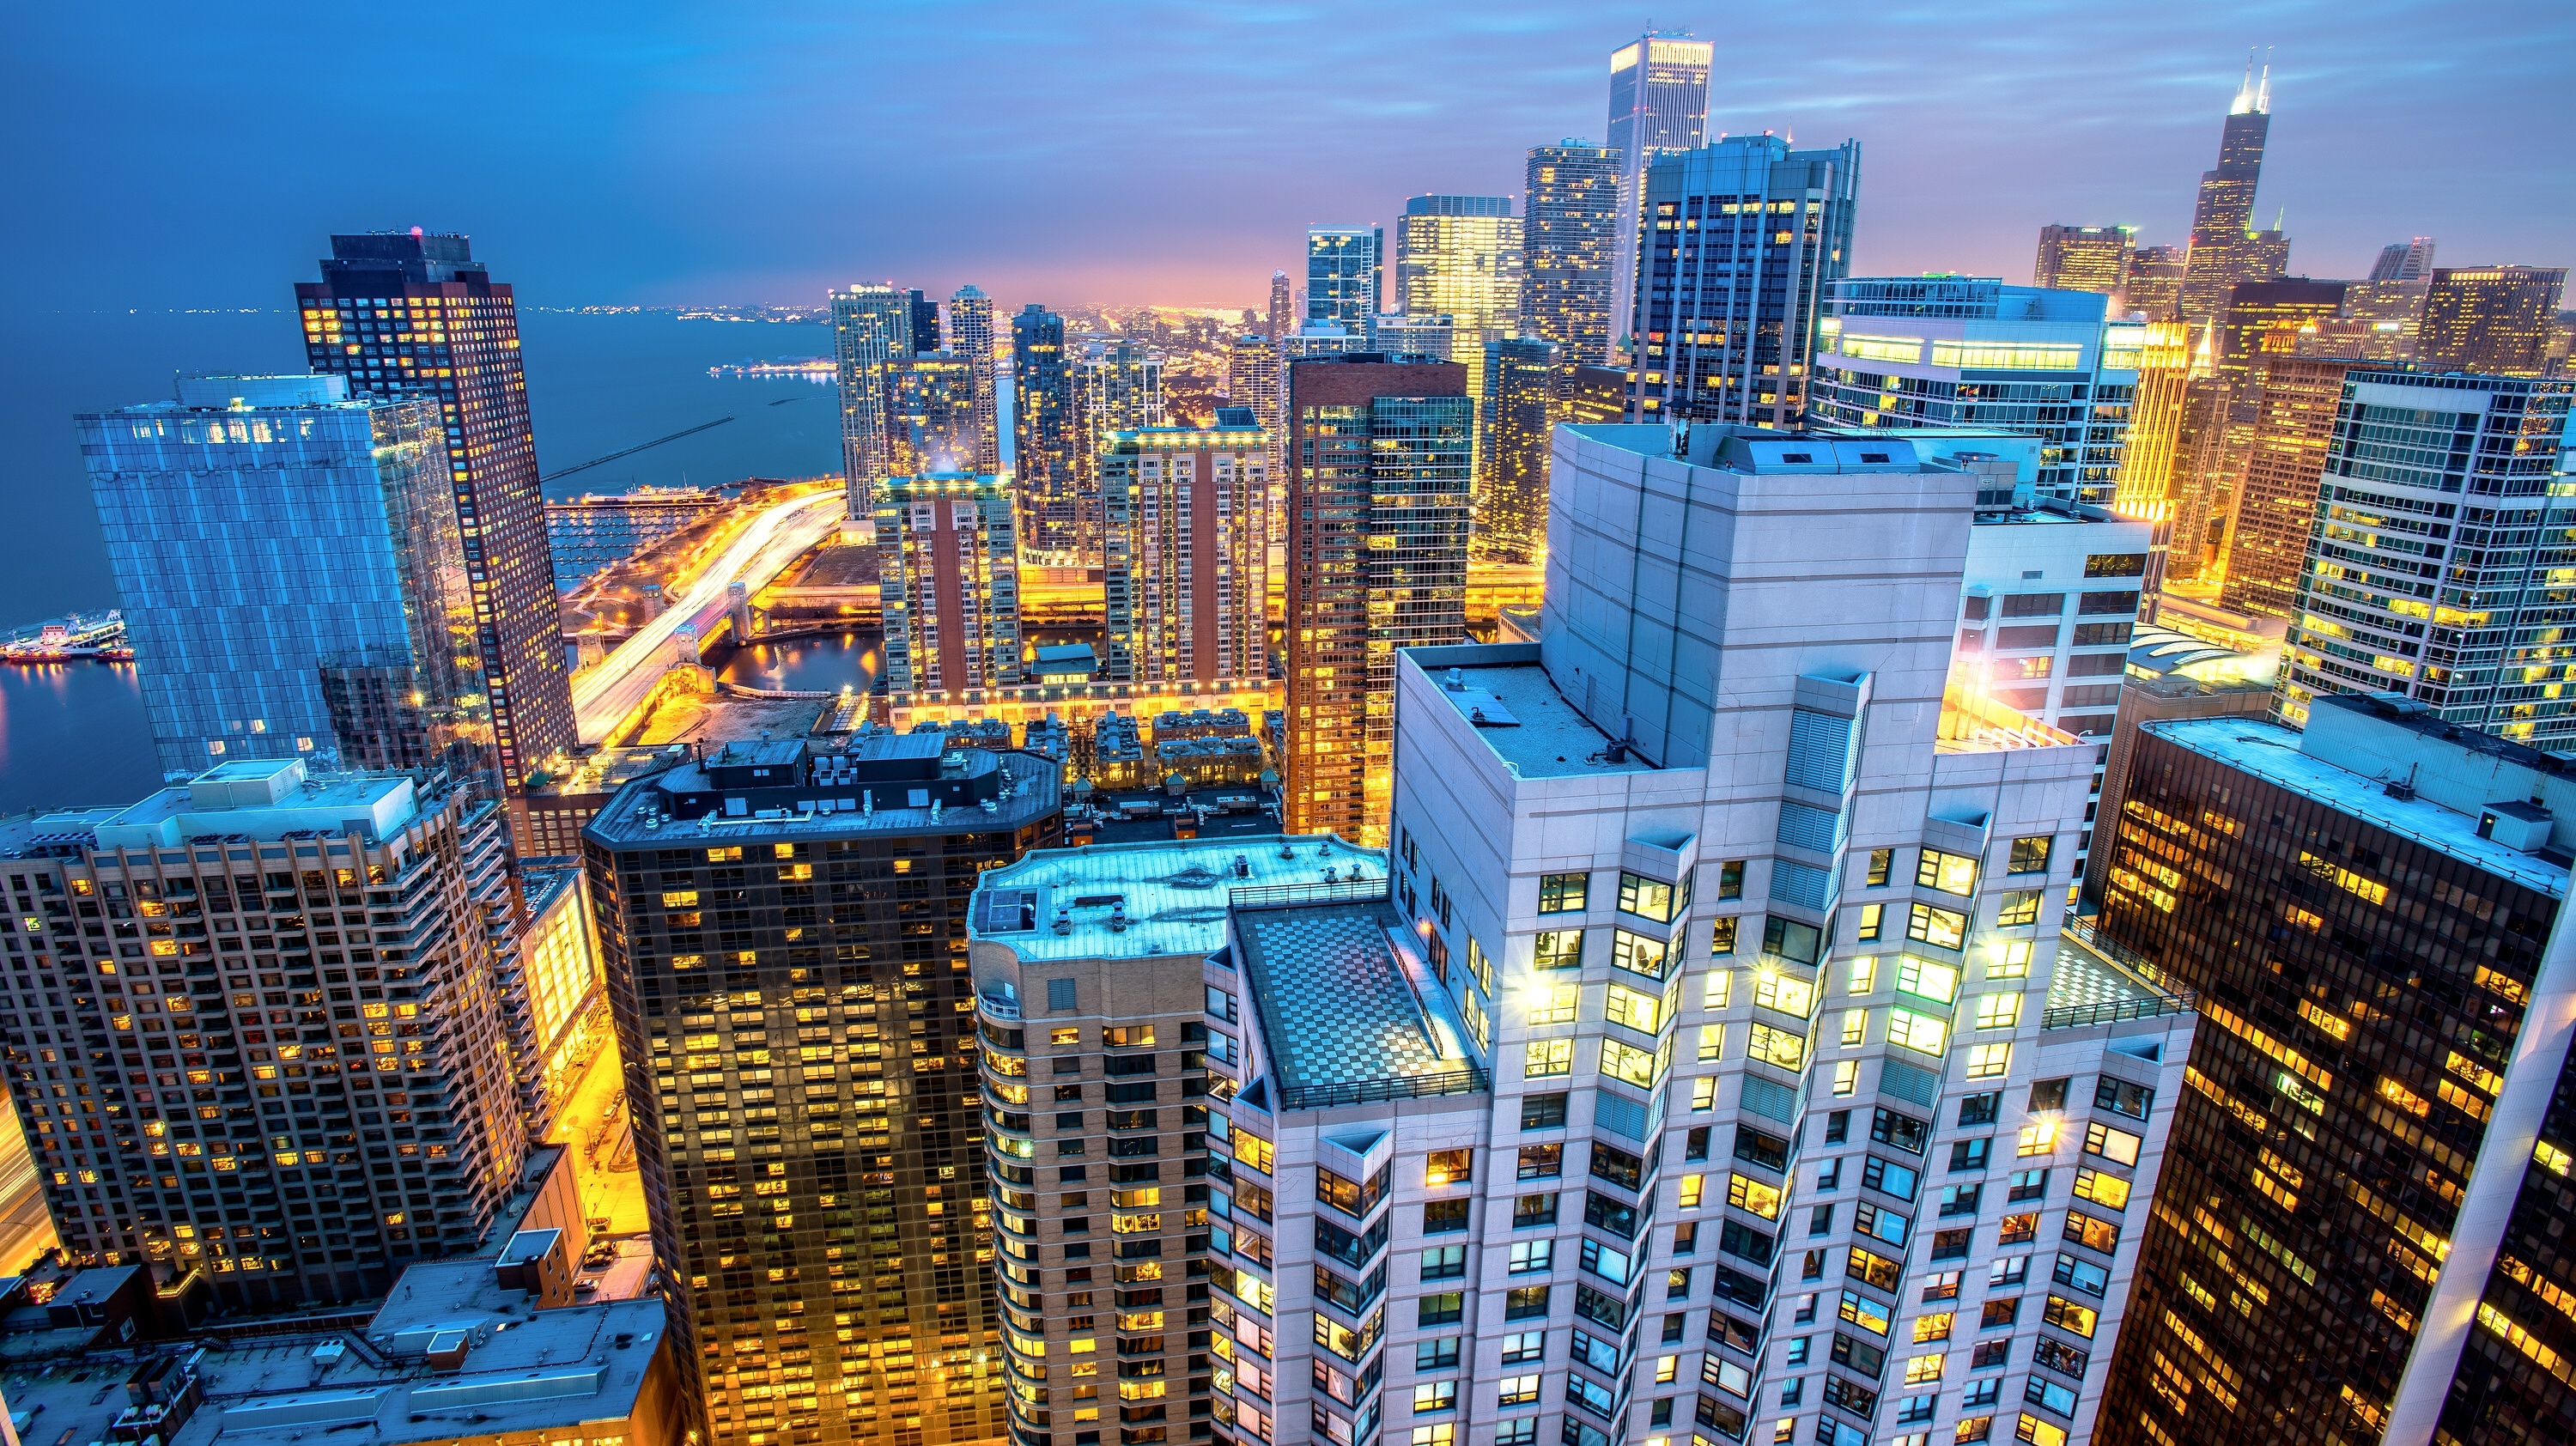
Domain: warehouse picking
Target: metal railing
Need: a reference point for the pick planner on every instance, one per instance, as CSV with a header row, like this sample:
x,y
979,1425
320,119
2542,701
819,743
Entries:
x,y
1344,891
1468,1079
2079,927
2112,1011
999,1007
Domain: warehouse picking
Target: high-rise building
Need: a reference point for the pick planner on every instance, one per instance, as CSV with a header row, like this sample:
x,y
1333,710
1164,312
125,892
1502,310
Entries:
x,y
2147,485
2083,258
415,316
931,421
1569,234
970,336
2493,320
2153,282
2426,574
1345,276
2267,319
354,1146
1964,351
2296,400
948,582
871,332
1117,387
1428,335
786,990
2226,250
1736,1021
1186,552
1256,377
2381,321
2404,261
1280,319
925,322
1658,105
1741,242
1460,256
1378,518
2362,1174
1044,430
1519,406
293,576
2262,319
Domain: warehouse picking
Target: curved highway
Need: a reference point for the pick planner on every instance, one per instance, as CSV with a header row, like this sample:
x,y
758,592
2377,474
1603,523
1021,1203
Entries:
x,y
605,694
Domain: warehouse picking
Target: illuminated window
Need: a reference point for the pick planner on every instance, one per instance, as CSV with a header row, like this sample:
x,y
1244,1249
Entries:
x,y
1949,873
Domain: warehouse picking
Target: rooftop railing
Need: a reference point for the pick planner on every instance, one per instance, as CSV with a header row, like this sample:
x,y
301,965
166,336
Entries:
x,y
1341,891
1467,1079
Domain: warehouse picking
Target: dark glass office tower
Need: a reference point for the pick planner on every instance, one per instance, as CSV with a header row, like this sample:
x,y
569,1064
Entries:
x,y
2226,250
784,930
413,316
2369,915
1043,429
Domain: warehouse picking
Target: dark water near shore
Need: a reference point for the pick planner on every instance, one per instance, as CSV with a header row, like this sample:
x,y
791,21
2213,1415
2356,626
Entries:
x,y
823,664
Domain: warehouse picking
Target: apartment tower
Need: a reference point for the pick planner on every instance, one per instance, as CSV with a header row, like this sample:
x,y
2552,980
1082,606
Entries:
x,y
2493,320
1569,234
970,335
872,331
1043,430
1186,555
1345,276
949,584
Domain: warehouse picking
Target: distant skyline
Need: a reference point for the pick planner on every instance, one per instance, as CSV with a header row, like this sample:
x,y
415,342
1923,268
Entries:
x,y
686,153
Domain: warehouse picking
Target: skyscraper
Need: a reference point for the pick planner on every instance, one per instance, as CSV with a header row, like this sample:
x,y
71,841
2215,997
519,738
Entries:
x,y
1186,552
786,983
2349,1243
257,876
292,575
871,331
931,420
2147,490
1570,229
948,582
1345,275
2295,403
970,336
2225,248
2381,321
2083,258
925,322
2432,579
1518,408
2490,319
1965,351
1044,428
2404,261
415,316
1460,257
2153,282
1256,377
1658,104
1280,319
1743,240
1117,387
1378,518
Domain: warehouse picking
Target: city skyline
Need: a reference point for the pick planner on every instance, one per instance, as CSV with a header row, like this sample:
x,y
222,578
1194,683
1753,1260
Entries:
x,y
661,139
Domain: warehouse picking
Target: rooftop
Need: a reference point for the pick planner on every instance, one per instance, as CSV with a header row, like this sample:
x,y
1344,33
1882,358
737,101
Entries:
x,y
1149,900
1348,1008
1517,710
683,806
2271,752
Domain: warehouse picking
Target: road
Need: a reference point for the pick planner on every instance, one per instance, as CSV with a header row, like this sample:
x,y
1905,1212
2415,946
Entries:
x,y
605,694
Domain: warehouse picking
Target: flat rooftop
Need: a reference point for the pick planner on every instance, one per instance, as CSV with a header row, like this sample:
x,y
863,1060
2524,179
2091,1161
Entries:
x,y
1518,712
1174,896
2084,977
2271,752
1345,998
1031,785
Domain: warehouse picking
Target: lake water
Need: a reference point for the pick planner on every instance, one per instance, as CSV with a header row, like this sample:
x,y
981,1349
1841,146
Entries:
x,y
595,384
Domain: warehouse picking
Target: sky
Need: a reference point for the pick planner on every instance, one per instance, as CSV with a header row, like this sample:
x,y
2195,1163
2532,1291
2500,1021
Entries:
x,y
191,155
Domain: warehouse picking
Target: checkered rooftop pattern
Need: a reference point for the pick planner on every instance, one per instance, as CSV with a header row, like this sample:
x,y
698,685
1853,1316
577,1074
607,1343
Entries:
x,y
2084,977
1335,1003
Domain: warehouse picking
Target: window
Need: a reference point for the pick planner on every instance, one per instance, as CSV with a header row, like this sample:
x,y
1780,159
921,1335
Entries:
x,y
1889,1178
1846,1078
2026,1185
1960,1199
1529,1210
1558,949
1060,994
1695,1144
1721,942
1556,1004
1941,928
2013,962
1882,862
2101,1189
1543,1112
2094,1280
1546,1058
2122,1098
1429,1396
2029,855
1837,1127
2034,604
1969,1154
1529,1256
1924,1033
1065,1036
1691,1186
1524,1347
1784,992
1617,1166
2118,1146
1927,979
1989,1061
1777,1046
1864,1312
1521,1431
2018,1229
1855,1028
1628,1063
1730,879
1703,1093
1448,1167
1998,1011
1885,1224
1999,1314
1712,1042
2048,1094
1791,940
1518,1391
1525,1302
1435,1355
1562,893
1873,922
1444,1262
1891,1127
1542,1162
1635,1009
2092,1234
1753,1196
2019,907
1941,1286
1646,898
2115,564
2066,1315
1949,873
1440,1217
1638,953
1445,1309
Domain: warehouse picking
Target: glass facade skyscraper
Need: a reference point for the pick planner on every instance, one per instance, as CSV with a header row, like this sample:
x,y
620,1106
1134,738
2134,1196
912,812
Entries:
x,y
415,316
2491,319
1042,429
1742,241
2225,248
293,580
1345,275
1658,104
872,329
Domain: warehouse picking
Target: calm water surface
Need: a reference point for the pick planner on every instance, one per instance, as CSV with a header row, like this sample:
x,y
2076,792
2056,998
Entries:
x,y
809,665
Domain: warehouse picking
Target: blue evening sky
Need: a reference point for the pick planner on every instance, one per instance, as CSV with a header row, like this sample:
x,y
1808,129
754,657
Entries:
x,y
176,155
